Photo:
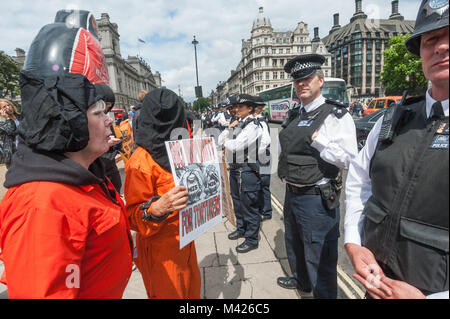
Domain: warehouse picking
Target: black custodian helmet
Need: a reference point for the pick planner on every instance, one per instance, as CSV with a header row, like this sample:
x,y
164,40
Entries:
x,y
433,15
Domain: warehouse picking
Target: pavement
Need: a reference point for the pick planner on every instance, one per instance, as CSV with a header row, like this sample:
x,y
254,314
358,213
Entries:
x,y
227,274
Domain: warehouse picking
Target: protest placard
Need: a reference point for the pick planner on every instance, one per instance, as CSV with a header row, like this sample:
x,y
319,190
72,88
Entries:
x,y
227,203
195,165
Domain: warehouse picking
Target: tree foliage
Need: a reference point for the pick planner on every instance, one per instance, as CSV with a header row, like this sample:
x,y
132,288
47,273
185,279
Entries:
x,y
9,75
402,70
204,103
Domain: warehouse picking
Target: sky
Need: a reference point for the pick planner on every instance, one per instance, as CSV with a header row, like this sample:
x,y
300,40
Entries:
x,y
168,27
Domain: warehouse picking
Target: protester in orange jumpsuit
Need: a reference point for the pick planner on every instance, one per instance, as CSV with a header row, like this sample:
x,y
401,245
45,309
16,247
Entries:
x,y
167,271
63,228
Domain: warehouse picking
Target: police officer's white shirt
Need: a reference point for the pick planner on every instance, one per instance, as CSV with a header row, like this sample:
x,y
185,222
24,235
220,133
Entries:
x,y
358,186
248,136
215,117
265,135
222,120
336,139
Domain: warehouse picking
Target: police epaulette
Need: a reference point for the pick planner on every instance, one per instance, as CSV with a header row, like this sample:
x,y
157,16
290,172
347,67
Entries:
x,y
339,108
336,103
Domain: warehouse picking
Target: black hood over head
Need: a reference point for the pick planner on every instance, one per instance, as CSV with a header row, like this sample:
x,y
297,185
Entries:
x,y
54,111
29,165
162,111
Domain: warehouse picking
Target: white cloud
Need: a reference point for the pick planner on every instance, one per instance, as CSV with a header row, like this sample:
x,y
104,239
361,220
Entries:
x,y
168,28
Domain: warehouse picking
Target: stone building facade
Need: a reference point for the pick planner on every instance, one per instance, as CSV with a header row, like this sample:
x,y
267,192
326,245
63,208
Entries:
x,y
264,55
357,48
127,77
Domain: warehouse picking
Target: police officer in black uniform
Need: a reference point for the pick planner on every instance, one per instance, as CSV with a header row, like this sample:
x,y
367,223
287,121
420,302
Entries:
x,y
265,160
396,223
318,140
244,168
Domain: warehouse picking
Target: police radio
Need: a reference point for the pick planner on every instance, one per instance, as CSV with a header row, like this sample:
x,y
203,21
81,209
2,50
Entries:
x,y
390,120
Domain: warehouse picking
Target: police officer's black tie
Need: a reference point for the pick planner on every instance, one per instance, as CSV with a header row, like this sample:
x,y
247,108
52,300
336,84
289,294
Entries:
x,y
437,110
302,111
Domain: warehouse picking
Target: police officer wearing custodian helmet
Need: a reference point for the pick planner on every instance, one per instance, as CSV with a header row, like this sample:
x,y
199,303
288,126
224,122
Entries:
x,y
396,223
317,141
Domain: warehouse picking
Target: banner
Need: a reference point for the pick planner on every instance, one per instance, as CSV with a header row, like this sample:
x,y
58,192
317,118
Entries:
x,y
124,132
227,203
195,165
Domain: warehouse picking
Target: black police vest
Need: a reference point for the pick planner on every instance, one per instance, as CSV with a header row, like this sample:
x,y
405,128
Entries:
x,y
299,162
406,218
250,154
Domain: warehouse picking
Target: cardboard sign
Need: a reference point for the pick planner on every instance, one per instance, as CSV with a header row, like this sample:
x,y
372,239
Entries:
x,y
227,203
195,165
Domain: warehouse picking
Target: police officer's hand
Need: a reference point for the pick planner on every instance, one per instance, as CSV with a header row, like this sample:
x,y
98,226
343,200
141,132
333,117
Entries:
x,y
175,199
368,272
402,290
316,132
234,124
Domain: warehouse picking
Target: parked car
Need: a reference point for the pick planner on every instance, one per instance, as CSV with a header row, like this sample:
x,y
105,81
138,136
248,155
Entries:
x,y
365,125
381,103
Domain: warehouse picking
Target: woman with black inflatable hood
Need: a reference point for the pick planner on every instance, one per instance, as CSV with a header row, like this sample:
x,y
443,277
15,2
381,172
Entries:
x,y
167,271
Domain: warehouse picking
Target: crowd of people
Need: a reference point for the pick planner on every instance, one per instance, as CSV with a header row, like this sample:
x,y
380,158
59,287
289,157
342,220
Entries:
x,y
65,228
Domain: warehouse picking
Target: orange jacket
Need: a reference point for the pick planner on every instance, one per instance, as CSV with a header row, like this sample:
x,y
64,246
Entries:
x,y
64,241
167,271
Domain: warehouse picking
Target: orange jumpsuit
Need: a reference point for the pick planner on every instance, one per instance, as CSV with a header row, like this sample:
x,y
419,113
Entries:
x,y
64,241
167,271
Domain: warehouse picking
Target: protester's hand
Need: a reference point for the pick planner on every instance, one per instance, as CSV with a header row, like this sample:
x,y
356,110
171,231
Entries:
x,y
175,199
4,114
402,290
368,272
112,140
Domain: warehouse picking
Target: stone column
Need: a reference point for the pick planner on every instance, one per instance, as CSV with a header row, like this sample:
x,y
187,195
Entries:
x,y
349,65
364,63
372,90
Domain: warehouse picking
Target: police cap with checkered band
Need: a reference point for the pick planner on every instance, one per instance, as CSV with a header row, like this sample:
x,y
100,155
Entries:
x,y
304,66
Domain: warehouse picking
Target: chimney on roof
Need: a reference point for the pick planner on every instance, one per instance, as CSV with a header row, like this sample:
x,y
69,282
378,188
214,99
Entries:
x,y
336,25
316,35
395,14
359,13
358,4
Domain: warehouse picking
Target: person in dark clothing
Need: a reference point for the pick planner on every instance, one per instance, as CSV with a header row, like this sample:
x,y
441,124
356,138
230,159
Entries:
x,y
137,111
8,131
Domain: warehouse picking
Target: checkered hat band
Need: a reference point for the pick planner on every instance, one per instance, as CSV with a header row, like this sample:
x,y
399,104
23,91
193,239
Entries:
x,y
302,66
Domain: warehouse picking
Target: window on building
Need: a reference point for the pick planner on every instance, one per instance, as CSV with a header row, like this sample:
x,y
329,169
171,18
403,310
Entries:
x,y
267,76
275,75
280,51
282,75
288,51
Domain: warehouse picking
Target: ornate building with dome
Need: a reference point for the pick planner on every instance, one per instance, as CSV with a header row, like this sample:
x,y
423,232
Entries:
x,y
264,55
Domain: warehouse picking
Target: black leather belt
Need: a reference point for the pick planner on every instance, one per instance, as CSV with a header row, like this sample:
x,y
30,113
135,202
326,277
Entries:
x,y
306,190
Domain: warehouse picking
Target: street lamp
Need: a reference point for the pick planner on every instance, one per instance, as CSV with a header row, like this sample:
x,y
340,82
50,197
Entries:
x,y
198,88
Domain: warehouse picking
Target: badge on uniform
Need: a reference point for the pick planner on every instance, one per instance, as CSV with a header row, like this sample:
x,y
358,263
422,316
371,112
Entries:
x,y
440,142
305,123
443,129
